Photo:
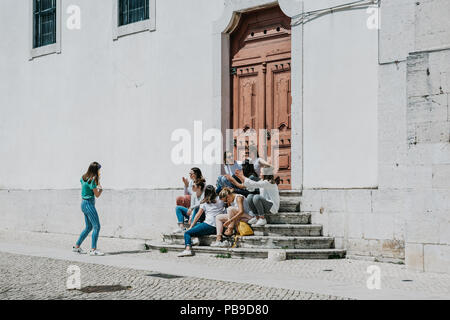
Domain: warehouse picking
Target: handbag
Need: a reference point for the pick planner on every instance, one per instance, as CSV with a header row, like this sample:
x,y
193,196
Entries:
x,y
244,229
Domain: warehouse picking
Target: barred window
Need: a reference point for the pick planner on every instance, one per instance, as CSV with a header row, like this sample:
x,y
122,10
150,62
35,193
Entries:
x,y
44,23
131,11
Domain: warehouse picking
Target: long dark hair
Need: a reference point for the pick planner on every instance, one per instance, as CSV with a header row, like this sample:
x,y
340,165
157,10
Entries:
x,y
210,194
92,173
198,174
201,184
248,169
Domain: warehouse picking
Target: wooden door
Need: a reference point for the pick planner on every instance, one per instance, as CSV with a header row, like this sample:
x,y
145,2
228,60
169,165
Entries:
x,y
261,82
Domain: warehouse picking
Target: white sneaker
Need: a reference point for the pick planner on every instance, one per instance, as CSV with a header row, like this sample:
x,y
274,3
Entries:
x,y
215,244
226,244
178,230
186,253
96,253
78,250
260,223
253,220
195,241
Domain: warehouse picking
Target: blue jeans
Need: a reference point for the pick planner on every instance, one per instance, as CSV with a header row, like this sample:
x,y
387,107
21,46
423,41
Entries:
x,y
92,222
202,229
223,182
182,214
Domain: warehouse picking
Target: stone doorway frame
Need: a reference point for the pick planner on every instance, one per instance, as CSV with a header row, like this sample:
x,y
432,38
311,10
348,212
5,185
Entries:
x,y
222,28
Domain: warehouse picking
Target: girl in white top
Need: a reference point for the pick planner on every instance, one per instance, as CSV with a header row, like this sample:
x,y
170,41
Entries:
x,y
237,211
211,207
268,199
185,213
194,175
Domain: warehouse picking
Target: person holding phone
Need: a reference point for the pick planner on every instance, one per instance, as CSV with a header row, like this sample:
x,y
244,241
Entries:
x,y
90,189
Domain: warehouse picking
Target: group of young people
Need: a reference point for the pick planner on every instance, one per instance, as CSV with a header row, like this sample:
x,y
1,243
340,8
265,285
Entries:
x,y
247,192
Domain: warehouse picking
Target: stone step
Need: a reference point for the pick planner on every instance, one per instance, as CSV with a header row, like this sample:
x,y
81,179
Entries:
x,y
296,230
252,252
262,242
289,206
289,218
291,193
289,230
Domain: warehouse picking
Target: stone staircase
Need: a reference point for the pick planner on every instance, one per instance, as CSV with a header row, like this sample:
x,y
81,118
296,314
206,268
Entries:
x,y
289,230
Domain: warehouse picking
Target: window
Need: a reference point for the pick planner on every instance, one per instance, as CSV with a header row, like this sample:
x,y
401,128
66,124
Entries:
x,y
131,11
133,16
45,27
44,23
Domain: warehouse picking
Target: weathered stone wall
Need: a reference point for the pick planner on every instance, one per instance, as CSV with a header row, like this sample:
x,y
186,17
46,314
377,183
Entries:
x,y
408,216
428,123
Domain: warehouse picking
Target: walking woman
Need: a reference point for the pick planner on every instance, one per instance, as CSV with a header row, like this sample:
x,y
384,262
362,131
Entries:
x,y
90,189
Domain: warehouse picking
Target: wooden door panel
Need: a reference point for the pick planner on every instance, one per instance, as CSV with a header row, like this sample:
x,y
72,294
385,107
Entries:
x,y
248,103
248,98
260,58
278,113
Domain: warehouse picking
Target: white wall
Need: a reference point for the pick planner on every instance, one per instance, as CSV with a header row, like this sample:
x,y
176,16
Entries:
x,y
340,99
116,102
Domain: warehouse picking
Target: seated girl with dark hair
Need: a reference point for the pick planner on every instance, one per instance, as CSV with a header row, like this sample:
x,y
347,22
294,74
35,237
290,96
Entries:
x,y
195,174
184,213
210,207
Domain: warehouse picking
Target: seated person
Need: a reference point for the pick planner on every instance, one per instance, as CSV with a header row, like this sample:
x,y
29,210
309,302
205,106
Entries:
x,y
237,211
194,175
230,180
210,207
257,162
183,213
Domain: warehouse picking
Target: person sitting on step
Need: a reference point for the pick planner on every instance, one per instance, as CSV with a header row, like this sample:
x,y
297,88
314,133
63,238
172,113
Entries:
x,y
237,211
230,180
211,207
257,162
184,213
268,201
230,166
194,175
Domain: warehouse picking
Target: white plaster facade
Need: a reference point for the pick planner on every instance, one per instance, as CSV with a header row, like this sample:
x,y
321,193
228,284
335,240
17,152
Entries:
x,y
370,119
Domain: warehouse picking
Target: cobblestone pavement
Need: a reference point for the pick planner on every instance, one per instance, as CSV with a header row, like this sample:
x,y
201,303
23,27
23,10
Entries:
x,y
24,277
345,271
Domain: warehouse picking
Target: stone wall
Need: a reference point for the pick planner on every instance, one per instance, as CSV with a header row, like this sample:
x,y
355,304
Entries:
x,y
428,123
407,218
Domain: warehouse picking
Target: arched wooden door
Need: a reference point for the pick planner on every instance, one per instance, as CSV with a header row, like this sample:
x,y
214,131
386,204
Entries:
x,y
261,80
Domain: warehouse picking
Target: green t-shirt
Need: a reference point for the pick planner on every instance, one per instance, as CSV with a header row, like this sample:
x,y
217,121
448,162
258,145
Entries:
x,y
87,189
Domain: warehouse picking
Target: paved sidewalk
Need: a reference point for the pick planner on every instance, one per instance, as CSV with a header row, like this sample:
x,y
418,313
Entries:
x,y
25,277
332,278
